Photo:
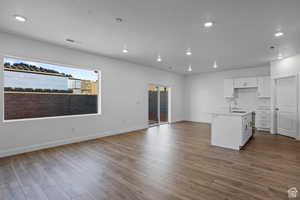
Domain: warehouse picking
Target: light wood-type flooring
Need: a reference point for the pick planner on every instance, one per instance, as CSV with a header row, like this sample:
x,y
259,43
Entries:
x,y
170,162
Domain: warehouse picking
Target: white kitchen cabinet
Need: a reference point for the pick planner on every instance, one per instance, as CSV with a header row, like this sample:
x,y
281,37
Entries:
x,y
263,120
228,88
264,87
249,82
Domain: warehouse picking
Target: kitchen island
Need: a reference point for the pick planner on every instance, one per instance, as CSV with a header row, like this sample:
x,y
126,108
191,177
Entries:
x,y
231,129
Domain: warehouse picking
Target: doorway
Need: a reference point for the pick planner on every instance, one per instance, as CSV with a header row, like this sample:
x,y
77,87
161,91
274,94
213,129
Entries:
x,y
158,107
286,102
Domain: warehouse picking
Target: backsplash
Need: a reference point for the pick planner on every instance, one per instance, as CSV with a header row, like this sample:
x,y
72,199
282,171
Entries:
x,y
246,98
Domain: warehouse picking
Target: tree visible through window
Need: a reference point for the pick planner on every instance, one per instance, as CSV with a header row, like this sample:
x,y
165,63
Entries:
x,y
35,90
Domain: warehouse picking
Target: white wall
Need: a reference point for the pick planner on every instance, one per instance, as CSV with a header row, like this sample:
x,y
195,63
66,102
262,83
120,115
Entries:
x,y
283,68
204,92
286,67
124,100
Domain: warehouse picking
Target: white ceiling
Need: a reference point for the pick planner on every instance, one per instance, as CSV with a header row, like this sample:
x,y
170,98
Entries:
x,y
241,37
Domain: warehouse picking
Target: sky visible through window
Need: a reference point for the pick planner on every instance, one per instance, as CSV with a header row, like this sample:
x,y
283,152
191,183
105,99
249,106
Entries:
x,y
76,73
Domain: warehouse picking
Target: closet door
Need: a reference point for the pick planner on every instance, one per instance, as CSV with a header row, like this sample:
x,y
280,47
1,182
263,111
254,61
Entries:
x,y
286,106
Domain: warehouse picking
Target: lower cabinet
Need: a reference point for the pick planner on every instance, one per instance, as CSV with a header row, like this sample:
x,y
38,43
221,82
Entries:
x,y
263,120
246,129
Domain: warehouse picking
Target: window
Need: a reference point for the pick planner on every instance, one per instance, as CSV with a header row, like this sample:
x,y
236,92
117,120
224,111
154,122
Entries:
x,y
36,90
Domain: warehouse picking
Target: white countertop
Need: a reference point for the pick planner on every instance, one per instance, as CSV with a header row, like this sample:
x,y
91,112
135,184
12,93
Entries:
x,y
231,113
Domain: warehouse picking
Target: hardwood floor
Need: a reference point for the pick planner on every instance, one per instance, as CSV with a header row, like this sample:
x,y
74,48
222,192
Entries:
x,y
168,162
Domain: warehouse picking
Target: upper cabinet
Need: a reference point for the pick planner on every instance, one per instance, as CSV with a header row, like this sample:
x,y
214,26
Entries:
x,y
264,87
262,84
250,82
228,88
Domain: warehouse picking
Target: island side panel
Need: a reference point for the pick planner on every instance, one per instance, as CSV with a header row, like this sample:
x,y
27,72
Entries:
x,y
226,131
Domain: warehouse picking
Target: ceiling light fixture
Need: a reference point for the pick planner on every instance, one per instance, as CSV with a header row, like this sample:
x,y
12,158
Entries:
x,y
280,56
70,40
188,52
125,50
159,58
190,68
215,65
20,18
279,34
119,20
208,24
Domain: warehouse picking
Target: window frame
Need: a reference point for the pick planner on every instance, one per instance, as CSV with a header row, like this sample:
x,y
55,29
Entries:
x,y
99,105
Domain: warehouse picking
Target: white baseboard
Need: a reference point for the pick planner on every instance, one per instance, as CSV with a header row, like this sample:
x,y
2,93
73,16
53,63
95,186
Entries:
x,y
56,143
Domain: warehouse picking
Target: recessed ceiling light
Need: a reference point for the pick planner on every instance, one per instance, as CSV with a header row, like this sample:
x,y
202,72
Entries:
x,y
279,34
272,48
190,68
20,18
208,24
188,52
125,50
280,57
119,20
215,65
159,58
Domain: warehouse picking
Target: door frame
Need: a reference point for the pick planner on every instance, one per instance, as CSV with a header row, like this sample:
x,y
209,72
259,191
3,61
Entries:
x,y
158,107
274,103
